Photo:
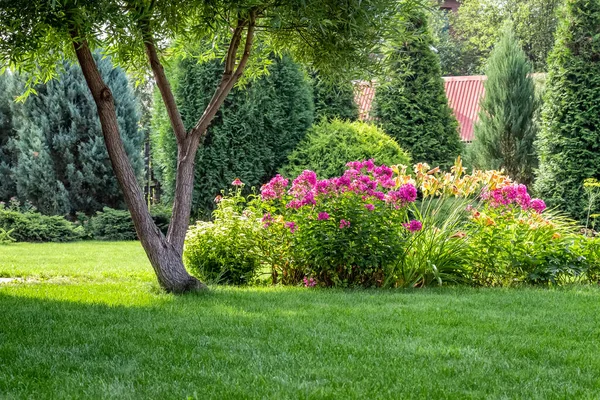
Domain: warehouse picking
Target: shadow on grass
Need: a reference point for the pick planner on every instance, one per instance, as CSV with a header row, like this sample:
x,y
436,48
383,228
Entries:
x,y
104,341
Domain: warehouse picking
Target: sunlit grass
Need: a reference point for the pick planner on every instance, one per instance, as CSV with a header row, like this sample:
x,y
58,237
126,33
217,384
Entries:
x,y
96,326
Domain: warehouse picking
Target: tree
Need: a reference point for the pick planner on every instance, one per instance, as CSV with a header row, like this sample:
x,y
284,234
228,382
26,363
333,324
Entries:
x,y
478,26
333,99
569,141
63,166
334,37
248,139
507,129
411,104
8,152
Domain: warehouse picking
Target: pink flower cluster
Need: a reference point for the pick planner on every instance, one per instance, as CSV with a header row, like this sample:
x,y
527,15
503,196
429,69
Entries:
x,y
309,282
514,194
291,226
344,224
413,225
275,189
323,216
267,220
361,177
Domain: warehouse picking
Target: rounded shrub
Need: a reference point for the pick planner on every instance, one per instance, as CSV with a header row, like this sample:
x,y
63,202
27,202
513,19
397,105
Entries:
x,y
225,250
330,144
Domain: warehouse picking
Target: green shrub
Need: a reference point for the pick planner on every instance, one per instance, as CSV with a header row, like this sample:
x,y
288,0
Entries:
x,y
569,141
329,145
5,237
111,224
31,226
226,249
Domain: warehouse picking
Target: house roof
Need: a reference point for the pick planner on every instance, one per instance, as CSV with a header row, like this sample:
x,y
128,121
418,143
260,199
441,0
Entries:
x,y
463,92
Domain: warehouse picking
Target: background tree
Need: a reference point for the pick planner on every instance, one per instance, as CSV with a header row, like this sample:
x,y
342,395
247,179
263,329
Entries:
x,y
333,99
507,129
332,36
8,152
478,25
569,143
250,136
411,104
63,166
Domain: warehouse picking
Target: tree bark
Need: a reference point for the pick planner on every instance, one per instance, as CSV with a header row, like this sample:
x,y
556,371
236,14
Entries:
x,y
163,255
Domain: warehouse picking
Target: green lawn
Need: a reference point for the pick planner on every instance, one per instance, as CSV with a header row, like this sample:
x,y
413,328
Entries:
x,y
89,322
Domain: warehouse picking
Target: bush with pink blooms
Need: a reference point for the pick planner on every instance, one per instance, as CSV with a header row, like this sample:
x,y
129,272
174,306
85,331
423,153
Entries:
x,y
344,231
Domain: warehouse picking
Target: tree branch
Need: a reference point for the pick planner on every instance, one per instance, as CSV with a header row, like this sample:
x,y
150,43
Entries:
x,y
163,85
229,77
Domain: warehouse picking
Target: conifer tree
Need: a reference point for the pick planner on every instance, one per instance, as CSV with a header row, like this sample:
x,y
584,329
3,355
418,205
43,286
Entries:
x,y
8,153
411,104
333,99
249,138
63,166
569,141
506,130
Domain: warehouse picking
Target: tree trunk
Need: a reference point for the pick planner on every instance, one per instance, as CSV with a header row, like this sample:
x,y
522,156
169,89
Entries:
x,y
164,256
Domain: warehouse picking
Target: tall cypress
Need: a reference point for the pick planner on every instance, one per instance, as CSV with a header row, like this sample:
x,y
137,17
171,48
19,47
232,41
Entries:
x,y
410,102
8,151
507,129
63,165
250,136
569,142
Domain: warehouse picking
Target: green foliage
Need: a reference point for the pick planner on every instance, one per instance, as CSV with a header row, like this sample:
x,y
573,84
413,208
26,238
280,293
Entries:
x,y
62,164
511,246
569,140
225,250
411,104
333,99
111,224
330,144
249,138
316,32
8,153
478,26
506,130
25,224
5,236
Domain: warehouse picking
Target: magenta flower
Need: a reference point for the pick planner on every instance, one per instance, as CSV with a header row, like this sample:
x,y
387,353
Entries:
x,y
538,205
237,182
413,225
369,207
309,282
274,189
291,226
344,224
323,216
267,220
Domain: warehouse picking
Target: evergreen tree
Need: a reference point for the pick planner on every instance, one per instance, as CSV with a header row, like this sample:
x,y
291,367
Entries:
x,y
250,136
63,165
333,99
8,153
411,103
506,130
569,142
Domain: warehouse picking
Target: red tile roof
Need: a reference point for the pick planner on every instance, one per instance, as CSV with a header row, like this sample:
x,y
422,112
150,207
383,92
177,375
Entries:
x,y
463,92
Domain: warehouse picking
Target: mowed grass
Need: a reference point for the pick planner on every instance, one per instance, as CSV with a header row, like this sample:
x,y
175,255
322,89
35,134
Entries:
x,y
90,322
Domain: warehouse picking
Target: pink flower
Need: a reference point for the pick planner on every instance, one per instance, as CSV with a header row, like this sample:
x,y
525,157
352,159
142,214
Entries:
x,y
237,182
309,282
344,224
291,226
218,199
323,216
538,205
407,193
369,207
274,189
413,225
267,220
